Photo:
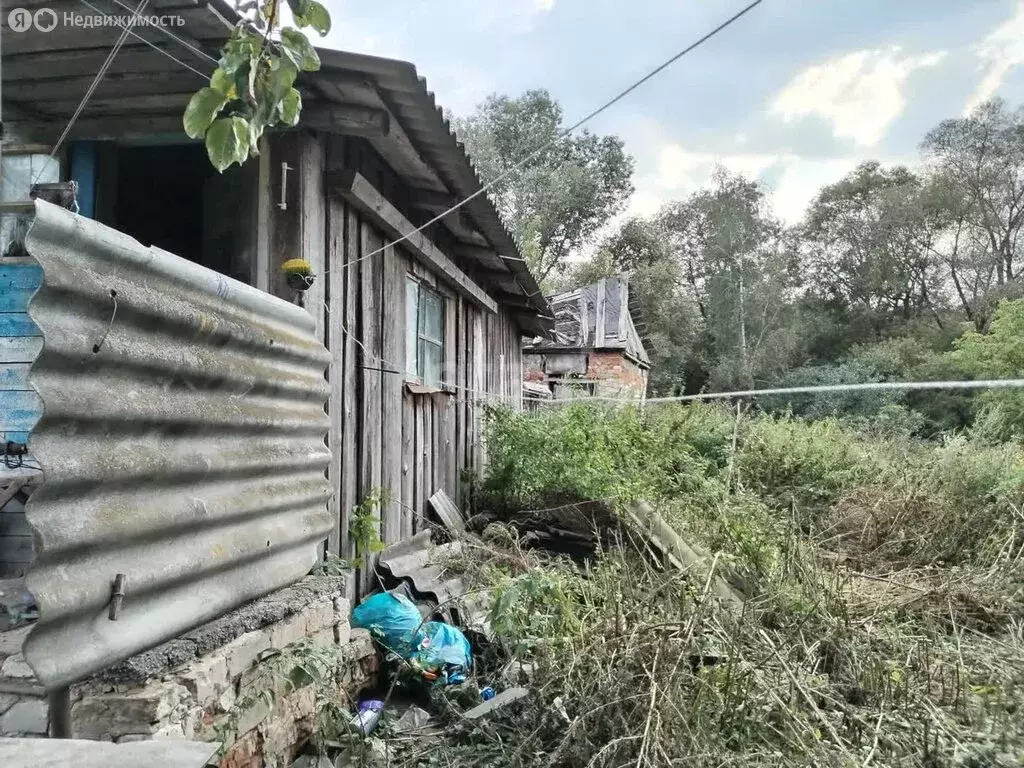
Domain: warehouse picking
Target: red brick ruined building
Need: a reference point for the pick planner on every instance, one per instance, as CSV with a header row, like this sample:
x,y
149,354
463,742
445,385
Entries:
x,y
599,349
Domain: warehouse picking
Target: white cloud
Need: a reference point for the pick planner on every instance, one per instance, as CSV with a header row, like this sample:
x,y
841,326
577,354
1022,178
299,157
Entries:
x,y
860,93
671,171
800,181
1000,52
512,17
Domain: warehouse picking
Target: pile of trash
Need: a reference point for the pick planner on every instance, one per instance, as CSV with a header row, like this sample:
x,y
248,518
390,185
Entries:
x,y
436,651
429,680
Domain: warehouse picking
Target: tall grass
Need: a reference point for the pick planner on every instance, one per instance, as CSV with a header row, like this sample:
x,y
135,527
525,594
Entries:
x,y
884,621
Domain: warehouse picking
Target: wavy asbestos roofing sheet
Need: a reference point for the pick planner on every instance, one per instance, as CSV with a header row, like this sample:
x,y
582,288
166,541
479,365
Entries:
x,y
182,445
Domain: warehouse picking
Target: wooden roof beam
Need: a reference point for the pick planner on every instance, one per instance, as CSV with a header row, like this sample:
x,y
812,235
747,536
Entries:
x,y
429,200
362,194
346,119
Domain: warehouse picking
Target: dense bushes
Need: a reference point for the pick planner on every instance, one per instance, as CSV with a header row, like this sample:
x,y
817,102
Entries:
x,y
882,575
996,354
954,500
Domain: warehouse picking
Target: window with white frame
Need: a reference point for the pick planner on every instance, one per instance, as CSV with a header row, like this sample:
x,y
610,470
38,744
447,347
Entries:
x,y
424,328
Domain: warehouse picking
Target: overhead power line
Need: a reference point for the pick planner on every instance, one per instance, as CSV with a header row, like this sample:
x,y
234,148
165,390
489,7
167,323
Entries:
x,y
198,51
564,133
151,44
821,389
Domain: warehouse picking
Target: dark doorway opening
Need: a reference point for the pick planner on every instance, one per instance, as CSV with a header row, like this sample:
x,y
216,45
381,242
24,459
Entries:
x,y
171,197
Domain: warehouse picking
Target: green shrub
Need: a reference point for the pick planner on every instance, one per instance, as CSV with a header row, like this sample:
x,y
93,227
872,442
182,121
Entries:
x,y
997,354
819,405
585,451
801,465
908,358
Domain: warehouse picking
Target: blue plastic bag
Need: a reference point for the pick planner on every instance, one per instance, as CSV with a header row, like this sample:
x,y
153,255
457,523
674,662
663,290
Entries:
x,y
441,644
437,649
392,620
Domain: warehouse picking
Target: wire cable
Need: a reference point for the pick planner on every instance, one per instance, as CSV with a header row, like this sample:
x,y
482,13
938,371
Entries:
x,y
537,152
863,387
198,51
151,44
96,81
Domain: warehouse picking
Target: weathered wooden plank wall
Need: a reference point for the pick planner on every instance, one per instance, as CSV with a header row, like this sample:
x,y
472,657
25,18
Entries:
x,y
383,436
20,406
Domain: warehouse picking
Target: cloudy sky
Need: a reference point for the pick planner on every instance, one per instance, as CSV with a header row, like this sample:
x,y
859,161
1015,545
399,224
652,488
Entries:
x,y
795,93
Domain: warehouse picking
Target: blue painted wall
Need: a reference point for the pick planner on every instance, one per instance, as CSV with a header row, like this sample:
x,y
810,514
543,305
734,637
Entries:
x,y
20,344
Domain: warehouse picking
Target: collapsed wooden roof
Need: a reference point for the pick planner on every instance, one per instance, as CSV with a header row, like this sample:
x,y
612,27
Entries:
x,y
602,315
145,90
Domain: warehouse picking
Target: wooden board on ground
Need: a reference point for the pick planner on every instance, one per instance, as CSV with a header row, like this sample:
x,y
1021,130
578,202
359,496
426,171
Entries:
x,y
447,511
681,554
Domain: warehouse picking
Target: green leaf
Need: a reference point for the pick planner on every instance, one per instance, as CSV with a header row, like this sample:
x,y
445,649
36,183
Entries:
x,y
299,50
224,84
312,14
227,142
201,110
281,79
291,105
298,9
255,132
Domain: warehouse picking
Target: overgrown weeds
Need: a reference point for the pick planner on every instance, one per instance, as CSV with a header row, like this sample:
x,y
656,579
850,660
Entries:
x,y
884,623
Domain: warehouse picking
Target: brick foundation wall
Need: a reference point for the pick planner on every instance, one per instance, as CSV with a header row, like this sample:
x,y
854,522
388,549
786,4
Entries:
x,y
616,376
214,696
533,368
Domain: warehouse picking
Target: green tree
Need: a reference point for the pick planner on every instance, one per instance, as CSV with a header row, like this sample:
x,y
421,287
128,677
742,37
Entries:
x,y
998,354
558,201
867,238
739,269
253,87
980,162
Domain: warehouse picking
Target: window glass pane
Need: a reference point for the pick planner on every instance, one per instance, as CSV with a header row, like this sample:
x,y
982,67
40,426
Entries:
x,y
430,358
431,314
19,172
412,294
15,178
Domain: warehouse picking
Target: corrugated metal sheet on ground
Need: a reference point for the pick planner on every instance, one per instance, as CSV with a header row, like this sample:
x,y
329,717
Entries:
x,y
187,453
429,569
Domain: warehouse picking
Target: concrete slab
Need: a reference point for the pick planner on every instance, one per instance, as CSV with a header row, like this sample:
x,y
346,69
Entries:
x,y
59,753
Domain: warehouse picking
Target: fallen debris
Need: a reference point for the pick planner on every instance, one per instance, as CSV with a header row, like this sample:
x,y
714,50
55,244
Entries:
x,y
425,570
412,719
313,761
503,698
367,753
436,651
682,554
448,512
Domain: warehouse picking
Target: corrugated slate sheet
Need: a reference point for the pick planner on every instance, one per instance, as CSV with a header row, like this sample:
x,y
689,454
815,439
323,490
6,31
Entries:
x,y
182,443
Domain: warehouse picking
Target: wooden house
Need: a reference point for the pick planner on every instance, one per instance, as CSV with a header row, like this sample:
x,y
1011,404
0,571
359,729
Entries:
x,y
419,333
